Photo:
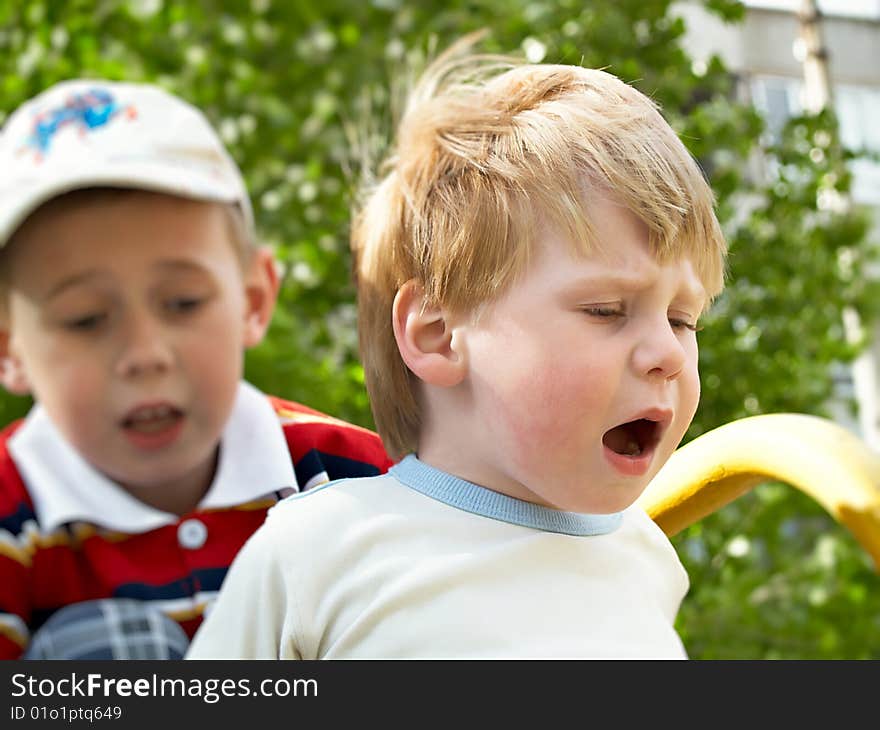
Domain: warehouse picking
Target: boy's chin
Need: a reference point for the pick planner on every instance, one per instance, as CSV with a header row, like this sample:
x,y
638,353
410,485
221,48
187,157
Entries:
x,y
170,484
603,507
612,499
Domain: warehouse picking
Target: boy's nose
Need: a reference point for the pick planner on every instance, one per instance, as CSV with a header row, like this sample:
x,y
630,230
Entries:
x,y
145,350
660,353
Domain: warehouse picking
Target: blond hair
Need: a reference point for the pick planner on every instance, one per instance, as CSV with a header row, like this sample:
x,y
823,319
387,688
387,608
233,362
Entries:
x,y
485,150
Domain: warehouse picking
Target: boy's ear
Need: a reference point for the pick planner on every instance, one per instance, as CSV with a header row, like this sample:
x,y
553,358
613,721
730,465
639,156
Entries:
x,y
427,338
12,374
261,292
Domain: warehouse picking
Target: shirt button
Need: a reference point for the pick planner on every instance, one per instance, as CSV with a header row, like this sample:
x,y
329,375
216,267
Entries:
x,y
192,534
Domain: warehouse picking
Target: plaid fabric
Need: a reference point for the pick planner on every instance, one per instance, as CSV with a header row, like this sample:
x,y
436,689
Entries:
x,y
113,628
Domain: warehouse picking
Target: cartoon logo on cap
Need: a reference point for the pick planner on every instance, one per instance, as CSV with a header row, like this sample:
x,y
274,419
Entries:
x,y
84,111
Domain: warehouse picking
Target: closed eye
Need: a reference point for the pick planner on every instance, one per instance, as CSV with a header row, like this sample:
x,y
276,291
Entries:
x,y
603,312
183,305
86,323
679,324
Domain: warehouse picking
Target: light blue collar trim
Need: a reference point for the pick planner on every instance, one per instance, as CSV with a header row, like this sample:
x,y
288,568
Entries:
x,y
473,498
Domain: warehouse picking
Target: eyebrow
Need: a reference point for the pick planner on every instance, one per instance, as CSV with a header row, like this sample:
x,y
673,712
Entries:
x,y
72,281
630,282
185,264
83,277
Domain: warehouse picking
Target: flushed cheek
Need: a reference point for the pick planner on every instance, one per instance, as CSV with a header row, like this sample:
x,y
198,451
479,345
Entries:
x,y
689,394
554,408
686,406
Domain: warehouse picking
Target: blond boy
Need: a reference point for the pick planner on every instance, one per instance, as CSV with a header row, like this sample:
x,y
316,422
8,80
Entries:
x,y
531,270
131,286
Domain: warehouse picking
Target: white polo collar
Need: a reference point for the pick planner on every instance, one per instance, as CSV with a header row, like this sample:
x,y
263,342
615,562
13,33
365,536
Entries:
x,y
254,462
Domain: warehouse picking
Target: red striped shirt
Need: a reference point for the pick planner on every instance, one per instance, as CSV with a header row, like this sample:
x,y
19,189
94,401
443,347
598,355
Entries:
x,y
41,571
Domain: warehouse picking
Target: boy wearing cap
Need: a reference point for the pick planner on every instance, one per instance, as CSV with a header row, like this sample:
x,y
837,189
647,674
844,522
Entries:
x,y
130,286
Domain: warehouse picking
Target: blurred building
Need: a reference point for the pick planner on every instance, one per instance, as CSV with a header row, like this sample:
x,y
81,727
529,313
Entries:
x,y
770,53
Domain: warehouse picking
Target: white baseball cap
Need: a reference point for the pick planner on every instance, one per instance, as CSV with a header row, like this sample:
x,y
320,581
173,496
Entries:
x,y
93,133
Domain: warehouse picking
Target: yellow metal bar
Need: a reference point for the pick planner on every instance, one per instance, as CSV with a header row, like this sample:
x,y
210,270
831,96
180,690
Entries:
x,y
815,455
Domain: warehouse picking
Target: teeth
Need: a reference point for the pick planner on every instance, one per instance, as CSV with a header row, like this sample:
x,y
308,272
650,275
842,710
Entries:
x,y
151,414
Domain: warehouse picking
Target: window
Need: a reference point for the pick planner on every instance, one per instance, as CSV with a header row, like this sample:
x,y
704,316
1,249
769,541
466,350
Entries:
x,y
858,109
778,98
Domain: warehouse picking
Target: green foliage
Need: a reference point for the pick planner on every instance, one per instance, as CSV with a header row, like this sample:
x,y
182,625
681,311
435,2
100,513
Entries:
x,y
774,575
796,265
777,578
288,84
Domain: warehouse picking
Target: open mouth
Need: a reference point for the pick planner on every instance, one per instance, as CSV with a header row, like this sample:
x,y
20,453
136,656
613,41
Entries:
x,y
152,419
633,438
